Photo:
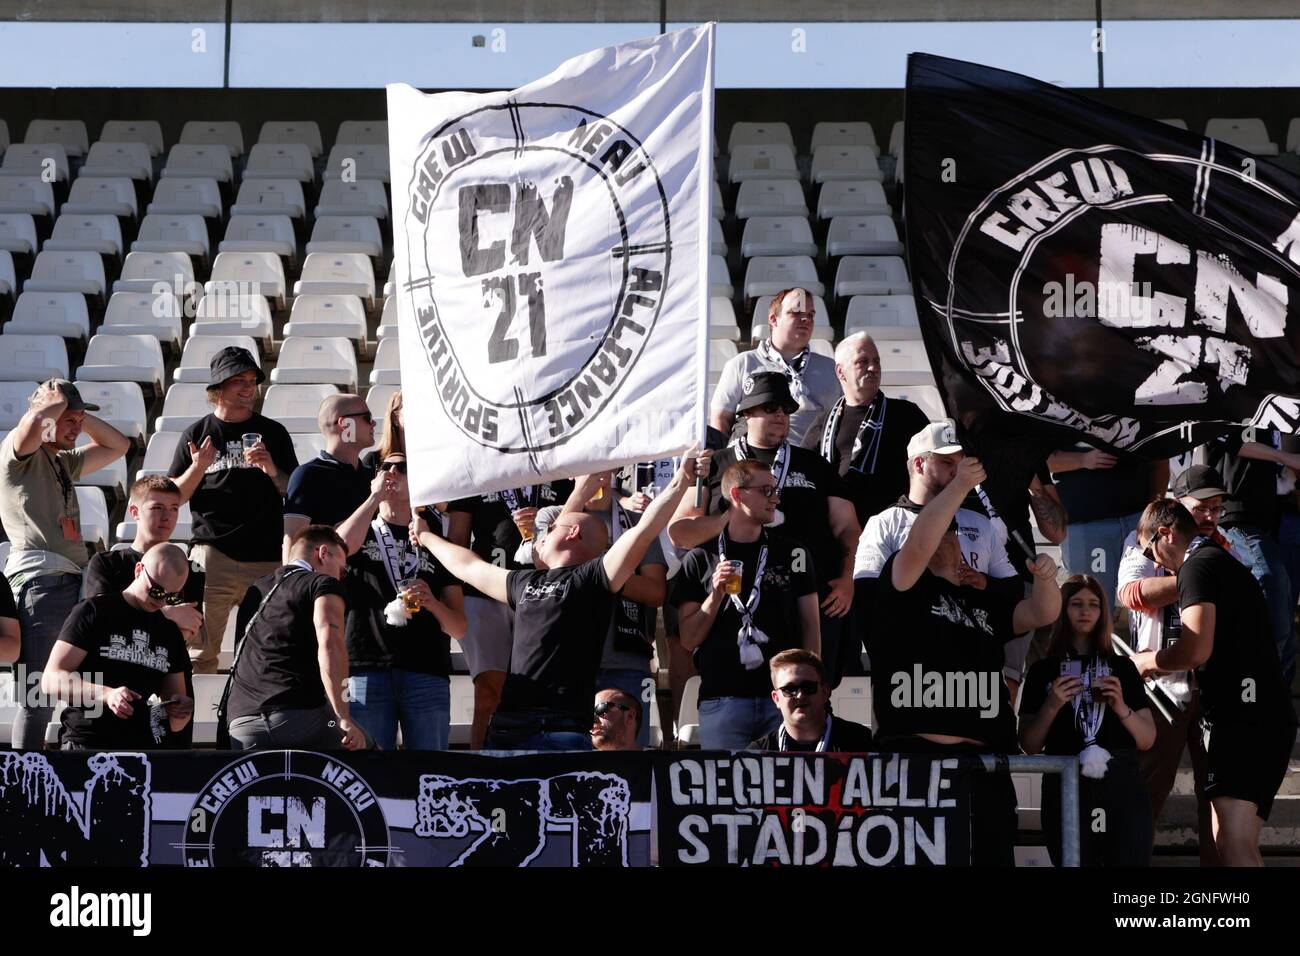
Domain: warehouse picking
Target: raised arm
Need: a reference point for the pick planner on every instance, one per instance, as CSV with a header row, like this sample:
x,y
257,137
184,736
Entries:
x,y
201,459
625,556
465,564
1048,510
1043,606
37,423
107,444
933,523
353,528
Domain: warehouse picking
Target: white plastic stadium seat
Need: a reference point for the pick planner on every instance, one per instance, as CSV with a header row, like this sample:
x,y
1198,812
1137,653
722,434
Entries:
x,y
14,403
686,730
70,134
295,406
1293,136
270,197
208,689
719,210
719,278
871,275
767,275
224,314
4,138
778,197
845,162
207,132
904,362
883,317
121,404
338,274
205,162
158,455
8,280
101,195
36,159
32,358
357,160
309,360
186,197
722,320
362,131
852,701
377,398
145,271
280,161
298,131
124,358
388,364
1248,133
760,328
183,405
717,241
99,234
262,234
67,272
18,233
28,194
187,234
50,313
196,359
259,273
143,313
862,236
365,197
925,397
843,134
306,447
94,516
324,316
852,198
896,138
762,162
777,236
340,234
759,134
148,132
388,319
127,160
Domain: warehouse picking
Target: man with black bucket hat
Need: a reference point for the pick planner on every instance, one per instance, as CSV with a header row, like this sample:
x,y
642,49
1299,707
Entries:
x,y
233,467
39,466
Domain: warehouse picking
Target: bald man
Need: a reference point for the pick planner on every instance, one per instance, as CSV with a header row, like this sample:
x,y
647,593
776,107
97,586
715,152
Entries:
x,y
563,609
117,650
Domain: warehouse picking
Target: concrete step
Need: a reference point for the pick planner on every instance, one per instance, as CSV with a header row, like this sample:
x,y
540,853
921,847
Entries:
x,y
1178,828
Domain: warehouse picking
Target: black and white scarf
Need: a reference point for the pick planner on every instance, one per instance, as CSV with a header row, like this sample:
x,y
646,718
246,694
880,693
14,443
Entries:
x,y
793,369
866,444
783,739
749,637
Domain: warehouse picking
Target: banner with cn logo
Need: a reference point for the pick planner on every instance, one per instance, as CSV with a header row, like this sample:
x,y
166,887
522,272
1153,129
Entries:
x,y
551,263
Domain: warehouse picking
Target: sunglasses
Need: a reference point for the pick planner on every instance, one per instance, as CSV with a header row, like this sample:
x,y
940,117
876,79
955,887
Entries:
x,y
771,408
158,593
605,706
767,491
397,466
807,688
365,416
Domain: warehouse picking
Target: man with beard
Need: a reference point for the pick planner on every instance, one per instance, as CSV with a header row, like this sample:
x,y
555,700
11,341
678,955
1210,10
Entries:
x,y
617,721
807,725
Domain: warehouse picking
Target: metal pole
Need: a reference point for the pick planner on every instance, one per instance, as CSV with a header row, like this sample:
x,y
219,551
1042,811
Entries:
x,y
1068,768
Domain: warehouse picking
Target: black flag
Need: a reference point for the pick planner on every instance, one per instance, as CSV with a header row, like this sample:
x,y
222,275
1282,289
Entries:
x,y
1133,283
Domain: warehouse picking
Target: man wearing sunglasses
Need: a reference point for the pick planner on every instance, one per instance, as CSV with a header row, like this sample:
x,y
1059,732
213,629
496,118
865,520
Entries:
x,y
329,487
813,509
617,721
807,725
115,651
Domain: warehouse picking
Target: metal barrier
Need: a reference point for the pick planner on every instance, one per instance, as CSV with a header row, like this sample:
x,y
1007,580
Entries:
x,y
1068,768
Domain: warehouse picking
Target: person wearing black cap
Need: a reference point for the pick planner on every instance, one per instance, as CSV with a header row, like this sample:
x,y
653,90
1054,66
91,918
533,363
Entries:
x,y
39,466
814,509
233,467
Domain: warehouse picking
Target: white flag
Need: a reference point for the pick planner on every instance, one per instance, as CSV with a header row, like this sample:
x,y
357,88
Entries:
x,y
551,268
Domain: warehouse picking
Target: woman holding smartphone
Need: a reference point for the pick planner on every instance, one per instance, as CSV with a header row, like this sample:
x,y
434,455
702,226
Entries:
x,y
1085,699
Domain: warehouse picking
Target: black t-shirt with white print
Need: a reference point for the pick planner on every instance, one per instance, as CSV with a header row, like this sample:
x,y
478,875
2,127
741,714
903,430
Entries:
x,y
1242,682
237,508
277,667
785,581
562,617
493,534
810,480
420,645
125,647
1065,735
936,654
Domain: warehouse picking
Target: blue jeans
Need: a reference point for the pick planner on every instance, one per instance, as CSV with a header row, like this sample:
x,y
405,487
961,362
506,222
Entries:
x,y
1288,537
380,699
544,740
733,723
1264,557
632,682
1096,547
44,603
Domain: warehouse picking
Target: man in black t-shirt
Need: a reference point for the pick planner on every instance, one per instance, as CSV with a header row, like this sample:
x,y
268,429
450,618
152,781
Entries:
x,y
493,526
562,611
286,687
734,633
1248,719
936,649
813,511
807,725
123,639
233,467
399,659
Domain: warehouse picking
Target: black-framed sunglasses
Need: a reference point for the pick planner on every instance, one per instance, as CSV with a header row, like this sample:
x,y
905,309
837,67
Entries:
x,y
805,687
771,408
365,416
159,593
767,491
605,706
397,466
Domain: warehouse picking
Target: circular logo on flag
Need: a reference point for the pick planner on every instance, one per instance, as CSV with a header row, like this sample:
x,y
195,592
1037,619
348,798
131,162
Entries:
x,y
538,254
286,808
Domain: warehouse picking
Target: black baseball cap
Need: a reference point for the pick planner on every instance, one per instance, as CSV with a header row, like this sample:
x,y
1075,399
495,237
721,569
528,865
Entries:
x,y
765,388
232,361
1199,482
73,396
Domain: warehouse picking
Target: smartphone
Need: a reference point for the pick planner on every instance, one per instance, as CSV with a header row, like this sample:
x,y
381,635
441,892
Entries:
x,y
1072,668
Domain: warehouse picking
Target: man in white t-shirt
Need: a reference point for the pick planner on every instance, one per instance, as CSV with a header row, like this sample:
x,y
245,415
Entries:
x,y
813,381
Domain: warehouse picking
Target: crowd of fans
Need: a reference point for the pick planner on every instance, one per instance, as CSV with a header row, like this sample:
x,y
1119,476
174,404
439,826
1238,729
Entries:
x,y
836,519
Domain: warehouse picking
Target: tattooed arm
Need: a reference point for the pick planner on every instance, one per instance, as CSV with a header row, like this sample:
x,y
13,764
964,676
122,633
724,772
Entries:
x,y
1048,510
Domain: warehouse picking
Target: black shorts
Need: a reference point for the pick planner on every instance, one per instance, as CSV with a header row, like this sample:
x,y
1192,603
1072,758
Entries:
x,y
1247,761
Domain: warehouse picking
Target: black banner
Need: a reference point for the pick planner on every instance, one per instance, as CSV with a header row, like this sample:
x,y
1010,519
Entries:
x,y
1130,282
750,809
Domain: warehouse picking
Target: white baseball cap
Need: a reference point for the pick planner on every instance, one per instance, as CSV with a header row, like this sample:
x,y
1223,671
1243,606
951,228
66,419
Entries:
x,y
937,438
